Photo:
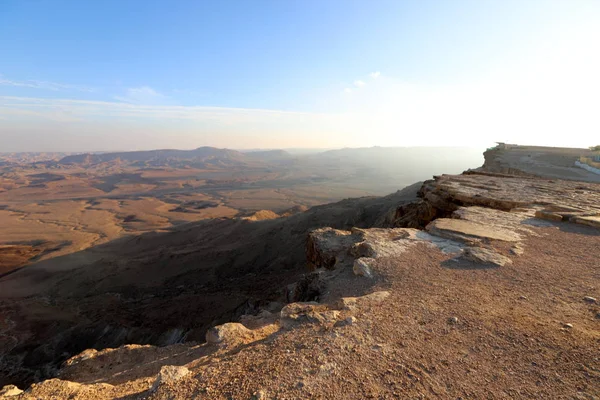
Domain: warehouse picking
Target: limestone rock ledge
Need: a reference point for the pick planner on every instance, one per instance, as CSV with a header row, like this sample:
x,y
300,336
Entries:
x,y
479,219
553,199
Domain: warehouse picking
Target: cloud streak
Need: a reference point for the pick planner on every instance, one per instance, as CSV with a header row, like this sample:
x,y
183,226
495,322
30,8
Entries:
x,y
358,83
85,125
550,99
45,85
142,95
89,109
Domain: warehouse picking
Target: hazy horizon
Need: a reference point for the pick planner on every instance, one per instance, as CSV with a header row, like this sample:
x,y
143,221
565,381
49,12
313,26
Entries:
x,y
132,75
291,150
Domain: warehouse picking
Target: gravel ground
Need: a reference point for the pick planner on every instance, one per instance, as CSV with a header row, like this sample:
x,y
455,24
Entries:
x,y
447,330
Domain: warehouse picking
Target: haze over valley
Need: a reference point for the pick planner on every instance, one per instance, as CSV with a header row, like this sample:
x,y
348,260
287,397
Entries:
x,y
56,204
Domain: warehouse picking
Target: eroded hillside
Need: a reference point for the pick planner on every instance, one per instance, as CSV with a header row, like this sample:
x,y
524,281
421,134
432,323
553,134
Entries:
x,y
483,287
160,288
57,204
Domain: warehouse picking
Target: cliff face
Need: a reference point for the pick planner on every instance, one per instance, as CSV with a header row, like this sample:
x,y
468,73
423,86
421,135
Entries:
x,y
552,199
482,287
536,161
494,162
160,288
419,299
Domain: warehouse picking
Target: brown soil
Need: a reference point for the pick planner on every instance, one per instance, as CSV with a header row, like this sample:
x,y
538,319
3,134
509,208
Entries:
x,y
510,340
159,288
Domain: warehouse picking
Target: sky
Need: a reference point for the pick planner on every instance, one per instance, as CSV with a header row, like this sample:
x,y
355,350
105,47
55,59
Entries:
x,y
140,74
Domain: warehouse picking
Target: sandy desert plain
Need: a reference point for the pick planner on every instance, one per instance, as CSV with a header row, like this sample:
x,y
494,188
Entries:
x,y
52,204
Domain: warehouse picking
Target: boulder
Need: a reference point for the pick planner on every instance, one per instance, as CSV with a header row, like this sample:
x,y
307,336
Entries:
x,y
325,247
485,256
9,391
362,249
169,374
362,267
228,333
377,242
311,312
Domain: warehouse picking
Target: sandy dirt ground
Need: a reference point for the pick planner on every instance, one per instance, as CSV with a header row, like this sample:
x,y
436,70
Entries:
x,y
447,330
510,339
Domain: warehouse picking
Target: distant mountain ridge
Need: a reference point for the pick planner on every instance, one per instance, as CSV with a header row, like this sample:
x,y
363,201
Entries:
x,y
203,155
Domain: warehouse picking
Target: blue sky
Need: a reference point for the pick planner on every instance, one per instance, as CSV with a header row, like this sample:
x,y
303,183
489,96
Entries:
x,y
117,75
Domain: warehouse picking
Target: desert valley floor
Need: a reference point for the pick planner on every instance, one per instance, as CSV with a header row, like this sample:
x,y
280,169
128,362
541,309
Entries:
x,y
475,285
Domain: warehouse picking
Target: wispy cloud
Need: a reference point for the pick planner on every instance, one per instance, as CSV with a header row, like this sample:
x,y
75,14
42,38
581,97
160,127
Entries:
x,y
11,105
358,84
120,125
44,85
142,95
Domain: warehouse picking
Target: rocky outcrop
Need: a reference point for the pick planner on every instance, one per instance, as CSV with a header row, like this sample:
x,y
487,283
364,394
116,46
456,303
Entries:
x,y
465,230
10,391
162,288
331,249
474,229
537,162
577,202
229,333
494,162
325,248
463,213
362,267
170,374
412,215
295,314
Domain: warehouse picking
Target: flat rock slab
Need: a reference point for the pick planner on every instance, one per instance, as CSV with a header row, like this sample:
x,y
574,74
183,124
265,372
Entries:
x,y
589,220
485,256
458,229
554,199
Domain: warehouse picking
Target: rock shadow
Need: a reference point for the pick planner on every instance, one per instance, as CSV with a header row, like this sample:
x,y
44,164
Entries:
x,y
564,226
458,263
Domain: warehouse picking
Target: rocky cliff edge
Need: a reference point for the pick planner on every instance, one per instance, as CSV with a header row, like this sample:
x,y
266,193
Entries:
x,y
486,287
